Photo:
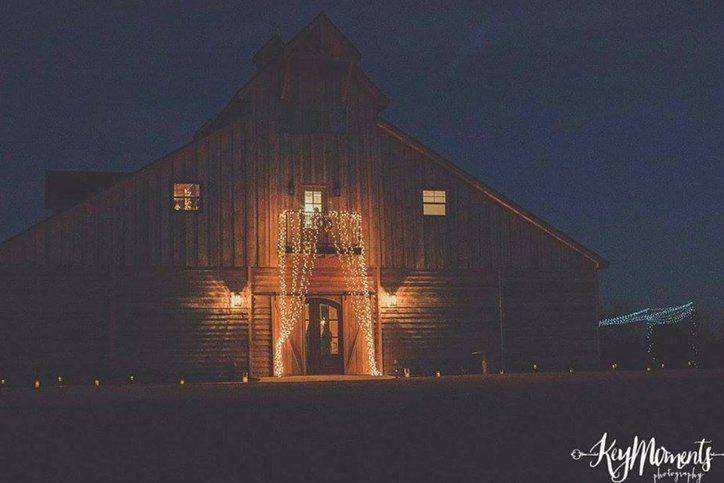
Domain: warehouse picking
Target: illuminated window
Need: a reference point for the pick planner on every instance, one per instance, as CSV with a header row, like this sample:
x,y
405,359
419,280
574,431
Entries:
x,y
186,197
313,201
433,203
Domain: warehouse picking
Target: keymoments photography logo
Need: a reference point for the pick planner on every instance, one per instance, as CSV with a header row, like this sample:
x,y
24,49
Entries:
x,y
647,458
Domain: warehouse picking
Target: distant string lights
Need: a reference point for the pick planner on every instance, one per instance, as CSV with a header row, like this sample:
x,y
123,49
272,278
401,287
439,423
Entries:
x,y
653,317
665,316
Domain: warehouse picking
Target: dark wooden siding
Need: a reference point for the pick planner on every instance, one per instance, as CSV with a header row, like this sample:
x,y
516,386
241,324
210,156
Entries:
x,y
549,319
439,322
154,324
53,323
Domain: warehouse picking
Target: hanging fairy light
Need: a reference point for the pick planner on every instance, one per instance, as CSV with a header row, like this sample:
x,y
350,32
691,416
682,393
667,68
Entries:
x,y
653,317
297,250
669,315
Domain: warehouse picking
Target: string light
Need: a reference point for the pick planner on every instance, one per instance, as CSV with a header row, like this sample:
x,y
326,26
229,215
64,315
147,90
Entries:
x,y
669,315
298,235
653,317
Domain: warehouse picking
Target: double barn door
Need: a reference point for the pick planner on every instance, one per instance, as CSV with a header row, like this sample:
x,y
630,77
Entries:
x,y
326,339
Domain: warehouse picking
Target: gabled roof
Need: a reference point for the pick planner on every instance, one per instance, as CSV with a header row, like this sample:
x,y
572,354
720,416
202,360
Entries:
x,y
498,198
322,23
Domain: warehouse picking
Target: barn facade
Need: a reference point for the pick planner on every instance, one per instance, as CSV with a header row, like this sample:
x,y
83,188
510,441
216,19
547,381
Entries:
x,y
174,269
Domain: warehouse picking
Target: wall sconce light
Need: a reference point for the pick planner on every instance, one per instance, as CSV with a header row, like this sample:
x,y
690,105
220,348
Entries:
x,y
245,378
37,384
235,300
406,372
96,382
391,300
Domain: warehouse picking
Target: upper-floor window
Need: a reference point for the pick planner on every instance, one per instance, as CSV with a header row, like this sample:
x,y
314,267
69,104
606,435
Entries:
x,y
186,197
433,202
313,201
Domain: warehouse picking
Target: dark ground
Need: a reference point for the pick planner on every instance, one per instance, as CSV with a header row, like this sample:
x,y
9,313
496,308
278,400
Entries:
x,y
499,428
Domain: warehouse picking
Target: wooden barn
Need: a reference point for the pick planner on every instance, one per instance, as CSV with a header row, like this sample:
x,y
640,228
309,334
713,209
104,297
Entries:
x,y
298,232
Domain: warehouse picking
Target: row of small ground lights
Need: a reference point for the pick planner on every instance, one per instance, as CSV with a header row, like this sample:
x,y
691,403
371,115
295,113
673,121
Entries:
x,y
37,384
245,378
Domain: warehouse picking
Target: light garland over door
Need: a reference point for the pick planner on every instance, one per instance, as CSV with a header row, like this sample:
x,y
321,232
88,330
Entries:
x,y
299,233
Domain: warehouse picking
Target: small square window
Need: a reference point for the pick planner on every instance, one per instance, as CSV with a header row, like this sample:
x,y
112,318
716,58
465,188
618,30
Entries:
x,y
433,203
313,201
186,197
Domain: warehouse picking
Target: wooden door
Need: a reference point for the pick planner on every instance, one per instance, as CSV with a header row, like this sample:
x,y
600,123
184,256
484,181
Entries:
x,y
355,349
324,337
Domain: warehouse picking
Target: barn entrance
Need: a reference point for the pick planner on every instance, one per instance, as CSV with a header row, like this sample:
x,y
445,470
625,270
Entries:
x,y
323,337
302,333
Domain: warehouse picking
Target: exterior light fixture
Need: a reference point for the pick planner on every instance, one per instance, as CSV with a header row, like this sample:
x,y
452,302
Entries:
x,y
181,382
235,300
535,366
391,300
437,374
60,380
131,378
245,378
406,371
96,382
37,384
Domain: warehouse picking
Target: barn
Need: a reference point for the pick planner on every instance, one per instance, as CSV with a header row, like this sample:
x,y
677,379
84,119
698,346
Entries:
x,y
297,232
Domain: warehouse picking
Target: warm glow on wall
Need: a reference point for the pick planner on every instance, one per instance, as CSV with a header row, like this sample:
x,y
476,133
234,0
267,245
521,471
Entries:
x,y
391,300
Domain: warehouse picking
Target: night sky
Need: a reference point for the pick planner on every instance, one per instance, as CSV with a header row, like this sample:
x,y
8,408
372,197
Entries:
x,y
605,121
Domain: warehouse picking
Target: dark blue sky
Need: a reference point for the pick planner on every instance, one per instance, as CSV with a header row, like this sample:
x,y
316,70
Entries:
x,y
604,120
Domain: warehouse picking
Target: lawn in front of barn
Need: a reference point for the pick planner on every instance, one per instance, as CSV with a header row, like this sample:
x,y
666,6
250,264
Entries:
x,y
514,427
